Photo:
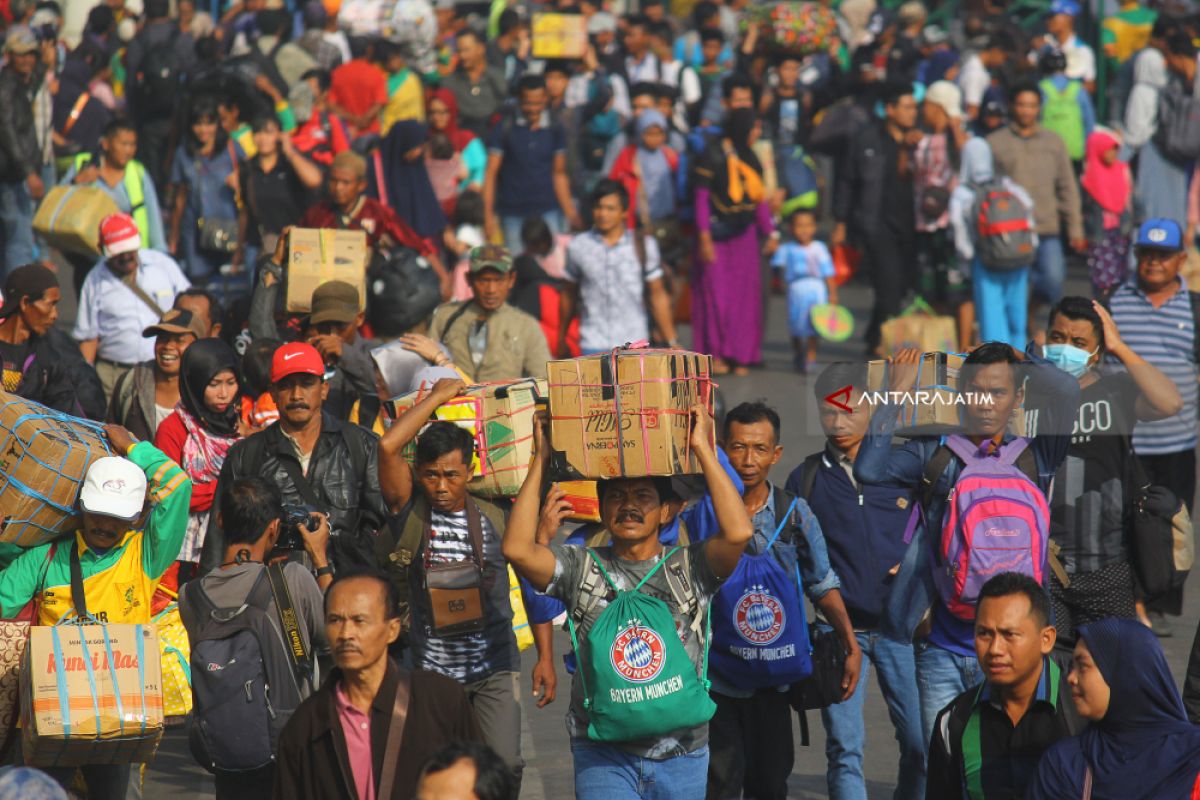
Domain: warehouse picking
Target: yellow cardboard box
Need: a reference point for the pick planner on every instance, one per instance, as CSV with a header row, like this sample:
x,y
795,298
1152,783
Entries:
x,y
316,256
69,218
500,417
559,35
64,721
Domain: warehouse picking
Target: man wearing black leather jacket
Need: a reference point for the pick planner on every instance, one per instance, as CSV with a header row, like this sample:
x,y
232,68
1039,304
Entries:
x,y
314,459
39,362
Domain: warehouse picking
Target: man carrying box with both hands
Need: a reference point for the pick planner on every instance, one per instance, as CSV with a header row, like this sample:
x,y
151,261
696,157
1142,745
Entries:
x,y
120,563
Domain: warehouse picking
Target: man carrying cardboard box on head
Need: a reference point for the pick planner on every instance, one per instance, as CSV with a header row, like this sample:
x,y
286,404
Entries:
x,y
116,559
488,339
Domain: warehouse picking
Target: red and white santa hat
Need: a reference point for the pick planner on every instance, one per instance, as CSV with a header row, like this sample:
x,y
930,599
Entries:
x,y
119,234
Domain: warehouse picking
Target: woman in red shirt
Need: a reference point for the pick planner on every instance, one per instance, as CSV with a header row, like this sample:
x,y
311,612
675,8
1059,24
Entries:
x,y
198,434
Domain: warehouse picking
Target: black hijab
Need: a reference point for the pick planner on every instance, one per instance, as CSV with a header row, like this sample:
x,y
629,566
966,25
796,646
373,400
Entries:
x,y
203,361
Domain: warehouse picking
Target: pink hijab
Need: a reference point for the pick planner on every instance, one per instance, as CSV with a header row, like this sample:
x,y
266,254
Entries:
x,y
1109,184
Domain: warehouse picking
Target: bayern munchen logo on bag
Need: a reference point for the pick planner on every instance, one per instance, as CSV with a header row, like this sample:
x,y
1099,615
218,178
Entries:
x,y
637,653
758,616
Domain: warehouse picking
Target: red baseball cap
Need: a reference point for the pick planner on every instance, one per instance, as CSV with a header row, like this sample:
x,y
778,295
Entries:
x,y
296,357
119,234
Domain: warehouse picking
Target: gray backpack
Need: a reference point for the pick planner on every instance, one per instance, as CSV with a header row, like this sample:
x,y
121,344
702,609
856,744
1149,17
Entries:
x,y
1003,235
1178,134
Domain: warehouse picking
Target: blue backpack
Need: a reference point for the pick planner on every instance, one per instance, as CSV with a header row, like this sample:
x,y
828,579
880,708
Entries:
x,y
759,630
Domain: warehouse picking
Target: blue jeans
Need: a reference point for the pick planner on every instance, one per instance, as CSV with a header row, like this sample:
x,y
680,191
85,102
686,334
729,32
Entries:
x,y
845,731
511,227
1049,271
1001,304
941,677
16,213
605,772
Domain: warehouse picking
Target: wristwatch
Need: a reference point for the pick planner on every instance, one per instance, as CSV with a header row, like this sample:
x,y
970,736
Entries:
x,y
325,570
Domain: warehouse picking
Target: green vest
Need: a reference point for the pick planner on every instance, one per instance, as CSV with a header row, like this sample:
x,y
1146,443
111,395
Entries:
x,y
135,175
1061,114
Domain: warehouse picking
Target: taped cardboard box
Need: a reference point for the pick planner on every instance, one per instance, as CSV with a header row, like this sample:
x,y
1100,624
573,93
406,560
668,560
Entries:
x,y
44,456
931,407
319,255
69,218
65,721
626,413
500,418
559,35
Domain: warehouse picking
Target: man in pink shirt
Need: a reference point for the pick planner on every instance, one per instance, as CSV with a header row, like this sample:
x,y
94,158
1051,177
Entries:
x,y
342,741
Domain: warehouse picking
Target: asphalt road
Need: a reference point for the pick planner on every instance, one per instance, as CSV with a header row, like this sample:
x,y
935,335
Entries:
x,y
544,743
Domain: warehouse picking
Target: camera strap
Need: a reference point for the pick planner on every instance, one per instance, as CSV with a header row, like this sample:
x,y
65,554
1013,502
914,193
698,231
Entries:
x,y
290,623
292,467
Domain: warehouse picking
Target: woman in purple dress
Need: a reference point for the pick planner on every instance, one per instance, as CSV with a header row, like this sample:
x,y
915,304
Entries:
x,y
731,216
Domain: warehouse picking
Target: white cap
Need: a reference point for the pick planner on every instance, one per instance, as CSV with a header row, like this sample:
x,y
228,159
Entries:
x,y
114,487
946,95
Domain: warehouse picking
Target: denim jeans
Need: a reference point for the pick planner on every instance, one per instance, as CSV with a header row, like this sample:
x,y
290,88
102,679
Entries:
x,y
845,730
16,213
941,677
511,227
605,772
1049,271
1001,304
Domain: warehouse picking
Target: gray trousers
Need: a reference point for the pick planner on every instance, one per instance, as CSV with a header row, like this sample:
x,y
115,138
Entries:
x,y
497,706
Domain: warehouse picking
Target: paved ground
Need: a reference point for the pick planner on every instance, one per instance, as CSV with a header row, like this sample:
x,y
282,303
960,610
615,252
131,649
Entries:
x,y
548,774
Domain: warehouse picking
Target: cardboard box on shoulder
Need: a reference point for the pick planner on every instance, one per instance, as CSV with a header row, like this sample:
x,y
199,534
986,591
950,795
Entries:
x,y
69,218
64,722
44,456
500,418
316,256
626,413
559,36
932,406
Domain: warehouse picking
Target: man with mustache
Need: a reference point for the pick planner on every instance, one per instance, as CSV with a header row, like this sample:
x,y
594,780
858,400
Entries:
x,y
633,510
134,507
344,741
314,459
438,527
987,742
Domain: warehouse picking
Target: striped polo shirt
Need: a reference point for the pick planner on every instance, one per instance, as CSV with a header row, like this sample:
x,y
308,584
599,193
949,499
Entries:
x,y
1165,337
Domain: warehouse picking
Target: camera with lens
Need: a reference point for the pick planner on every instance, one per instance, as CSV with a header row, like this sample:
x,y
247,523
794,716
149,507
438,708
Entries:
x,y
291,520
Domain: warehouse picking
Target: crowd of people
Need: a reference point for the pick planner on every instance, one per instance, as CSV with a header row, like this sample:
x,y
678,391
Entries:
x,y
520,208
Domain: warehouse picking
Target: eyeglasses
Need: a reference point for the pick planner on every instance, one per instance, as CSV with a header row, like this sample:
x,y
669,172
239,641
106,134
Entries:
x,y
1155,256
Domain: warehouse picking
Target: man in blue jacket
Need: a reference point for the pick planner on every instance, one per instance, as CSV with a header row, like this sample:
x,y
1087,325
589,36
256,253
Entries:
x,y
864,535
945,654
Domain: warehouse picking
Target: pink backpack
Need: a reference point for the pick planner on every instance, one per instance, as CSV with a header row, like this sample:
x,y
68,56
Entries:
x,y
996,520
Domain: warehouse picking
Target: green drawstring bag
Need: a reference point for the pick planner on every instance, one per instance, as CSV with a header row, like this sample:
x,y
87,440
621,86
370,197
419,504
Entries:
x,y
638,681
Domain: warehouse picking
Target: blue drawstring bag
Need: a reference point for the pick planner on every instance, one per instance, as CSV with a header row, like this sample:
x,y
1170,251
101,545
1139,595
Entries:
x,y
759,630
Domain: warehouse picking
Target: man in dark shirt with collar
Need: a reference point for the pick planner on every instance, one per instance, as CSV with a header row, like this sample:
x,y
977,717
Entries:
x,y
987,743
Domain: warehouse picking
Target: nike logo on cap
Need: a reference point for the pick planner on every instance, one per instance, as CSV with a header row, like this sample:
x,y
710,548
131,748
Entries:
x,y
290,356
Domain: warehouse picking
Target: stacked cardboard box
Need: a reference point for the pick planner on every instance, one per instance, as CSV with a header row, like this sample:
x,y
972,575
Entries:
x,y
316,256
91,694
559,36
44,456
500,417
626,413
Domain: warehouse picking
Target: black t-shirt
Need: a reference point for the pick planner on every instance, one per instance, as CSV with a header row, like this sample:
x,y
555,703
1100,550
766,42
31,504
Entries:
x,y
1089,510
275,199
13,357
898,212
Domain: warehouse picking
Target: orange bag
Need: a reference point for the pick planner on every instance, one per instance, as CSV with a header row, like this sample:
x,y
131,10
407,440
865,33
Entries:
x,y
845,263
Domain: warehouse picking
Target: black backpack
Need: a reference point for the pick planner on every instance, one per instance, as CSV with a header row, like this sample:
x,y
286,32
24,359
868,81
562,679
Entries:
x,y
402,290
159,78
246,682
1178,134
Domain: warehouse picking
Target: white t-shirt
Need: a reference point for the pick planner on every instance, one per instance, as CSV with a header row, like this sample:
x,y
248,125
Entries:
x,y
974,80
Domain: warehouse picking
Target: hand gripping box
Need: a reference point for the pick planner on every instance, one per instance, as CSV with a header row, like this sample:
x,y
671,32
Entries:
x,y
500,418
91,694
626,413
44,456
932,406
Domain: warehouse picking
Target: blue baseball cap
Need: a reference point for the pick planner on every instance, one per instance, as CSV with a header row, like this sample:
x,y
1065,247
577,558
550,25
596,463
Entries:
x,y
1160,233
1068,7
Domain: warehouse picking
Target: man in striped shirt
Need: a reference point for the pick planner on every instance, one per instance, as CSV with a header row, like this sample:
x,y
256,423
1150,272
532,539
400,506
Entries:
x,y
1156,315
